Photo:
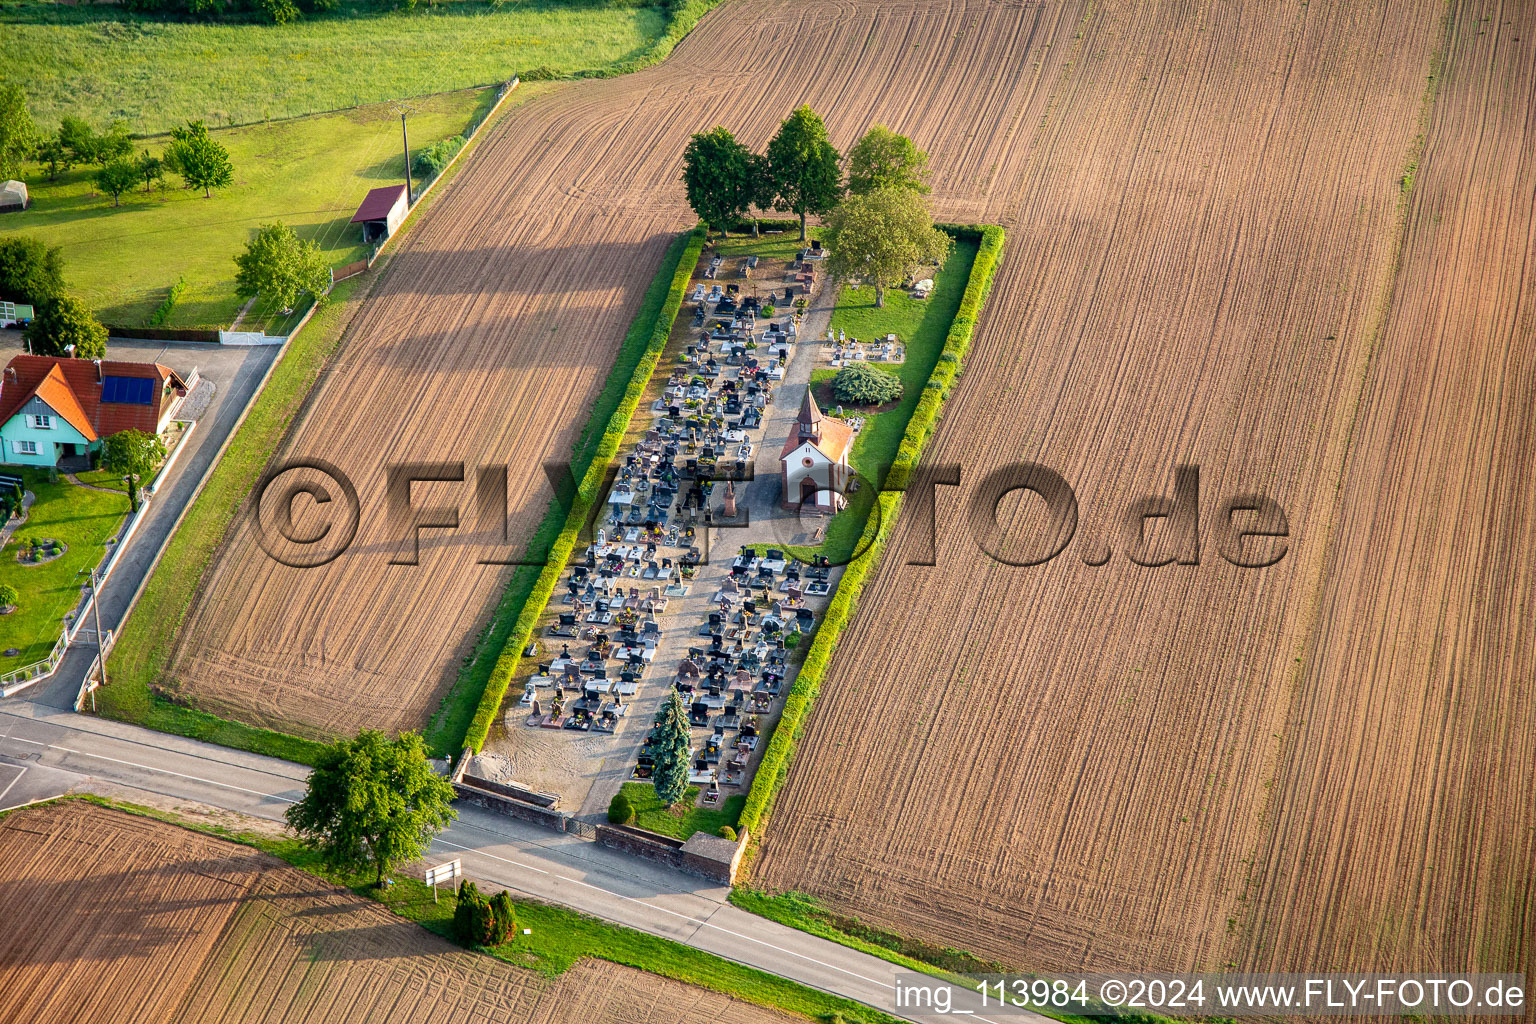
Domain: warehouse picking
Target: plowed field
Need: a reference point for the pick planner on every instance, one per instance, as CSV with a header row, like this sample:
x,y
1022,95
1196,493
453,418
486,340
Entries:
x,y
1211,262
1320,765
110,917
500,315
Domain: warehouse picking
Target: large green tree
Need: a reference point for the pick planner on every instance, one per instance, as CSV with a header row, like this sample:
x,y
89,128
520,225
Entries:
x,y
29,270
721,177
373,802
202,162
63,322
881,237
117,177
804,167
282,267
671,746
18,133
883,157
134,454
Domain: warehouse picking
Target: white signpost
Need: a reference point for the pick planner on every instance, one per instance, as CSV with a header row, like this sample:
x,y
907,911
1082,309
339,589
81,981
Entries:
x,y
447,872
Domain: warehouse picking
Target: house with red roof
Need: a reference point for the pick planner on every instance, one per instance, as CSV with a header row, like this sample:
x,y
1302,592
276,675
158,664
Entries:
x,y
53,408
814,461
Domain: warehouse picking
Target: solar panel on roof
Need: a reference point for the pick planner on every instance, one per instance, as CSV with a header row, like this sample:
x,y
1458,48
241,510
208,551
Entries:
x,y
128,390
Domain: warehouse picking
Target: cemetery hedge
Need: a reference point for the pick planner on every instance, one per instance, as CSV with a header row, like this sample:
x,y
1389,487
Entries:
x,y
771,770
650,339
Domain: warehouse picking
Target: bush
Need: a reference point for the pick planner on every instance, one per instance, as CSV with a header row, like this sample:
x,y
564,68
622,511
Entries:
x,y
8,595
482,922
726,832
433,160
862,384
542,73
620,810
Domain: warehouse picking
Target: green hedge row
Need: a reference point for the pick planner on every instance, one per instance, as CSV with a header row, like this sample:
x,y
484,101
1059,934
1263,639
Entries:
x,y
775,763
587,492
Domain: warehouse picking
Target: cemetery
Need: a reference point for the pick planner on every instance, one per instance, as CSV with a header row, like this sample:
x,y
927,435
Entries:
x,y
688,584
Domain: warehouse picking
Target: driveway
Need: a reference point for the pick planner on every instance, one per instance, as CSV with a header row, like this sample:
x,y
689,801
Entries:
x,y
235,374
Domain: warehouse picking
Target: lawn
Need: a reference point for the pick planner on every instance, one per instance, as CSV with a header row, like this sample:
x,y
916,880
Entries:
x,y
922,325
309,173
651,814
100,62
83,520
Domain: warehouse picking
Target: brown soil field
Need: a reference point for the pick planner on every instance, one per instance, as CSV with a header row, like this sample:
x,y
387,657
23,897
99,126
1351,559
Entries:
x,y
491,332
111,917
1324,764
1209,263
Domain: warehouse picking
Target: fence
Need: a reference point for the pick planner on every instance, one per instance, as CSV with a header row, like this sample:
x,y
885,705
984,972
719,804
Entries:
x,y
29,674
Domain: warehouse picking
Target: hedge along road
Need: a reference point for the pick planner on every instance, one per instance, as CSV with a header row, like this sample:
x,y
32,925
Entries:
x,y
496,323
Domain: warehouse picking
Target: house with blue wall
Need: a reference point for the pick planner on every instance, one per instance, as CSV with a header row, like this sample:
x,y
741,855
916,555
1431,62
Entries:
x,y
55,410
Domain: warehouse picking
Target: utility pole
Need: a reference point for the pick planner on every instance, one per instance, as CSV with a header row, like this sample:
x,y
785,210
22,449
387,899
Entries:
x,y
406,142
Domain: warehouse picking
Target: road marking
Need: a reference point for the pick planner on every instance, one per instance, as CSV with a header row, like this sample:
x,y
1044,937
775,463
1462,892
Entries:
x,y
109,737
149,768
21,770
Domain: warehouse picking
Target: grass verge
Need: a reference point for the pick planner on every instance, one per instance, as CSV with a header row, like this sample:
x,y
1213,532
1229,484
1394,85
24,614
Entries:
x,y
652,814
146,639
560,937
82,520
500,649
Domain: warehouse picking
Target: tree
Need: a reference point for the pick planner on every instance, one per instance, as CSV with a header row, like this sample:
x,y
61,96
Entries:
x,y
372,801
201,161
117,177
134,454
18,133
77,140
150,169
862,384
883,157
804,167
52,154
720,177
670,773
66,326
114,144
882,237
8,596
29,271
277,264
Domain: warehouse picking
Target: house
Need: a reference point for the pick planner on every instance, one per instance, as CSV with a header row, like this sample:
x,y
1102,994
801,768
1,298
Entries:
x,y
382,211
814,462
52,409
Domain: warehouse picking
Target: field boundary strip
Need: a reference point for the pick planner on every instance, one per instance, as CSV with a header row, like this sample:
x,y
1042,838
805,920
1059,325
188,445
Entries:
x,y
587,491
772,769
149,638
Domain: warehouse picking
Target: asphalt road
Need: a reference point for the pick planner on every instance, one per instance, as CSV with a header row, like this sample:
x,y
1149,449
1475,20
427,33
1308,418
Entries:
x,y
236,373
46,752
